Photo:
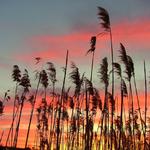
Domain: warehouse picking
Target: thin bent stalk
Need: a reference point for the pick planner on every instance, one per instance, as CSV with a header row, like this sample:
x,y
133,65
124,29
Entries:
x,y
11,126
61,101
16,75
138,102
106,119
51,125
112,111
25,83
145,105
121,114
132,111
92,66
31,115
72,113
18,123
14,112
90,145
87,121
78,124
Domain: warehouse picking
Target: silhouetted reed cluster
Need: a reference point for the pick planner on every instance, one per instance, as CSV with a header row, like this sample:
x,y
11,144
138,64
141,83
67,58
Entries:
x,y
82,119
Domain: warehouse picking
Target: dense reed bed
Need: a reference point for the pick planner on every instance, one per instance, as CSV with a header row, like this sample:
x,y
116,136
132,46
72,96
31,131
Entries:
x,y
82,117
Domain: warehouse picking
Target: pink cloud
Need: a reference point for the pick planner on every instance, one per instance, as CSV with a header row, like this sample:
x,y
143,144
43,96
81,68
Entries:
x,y
137,32
134,35
54,47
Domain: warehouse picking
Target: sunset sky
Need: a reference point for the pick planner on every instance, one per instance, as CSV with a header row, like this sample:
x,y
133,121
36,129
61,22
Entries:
x,y
47,28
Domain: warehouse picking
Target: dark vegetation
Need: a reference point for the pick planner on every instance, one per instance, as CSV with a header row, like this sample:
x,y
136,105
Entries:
x,y
85,119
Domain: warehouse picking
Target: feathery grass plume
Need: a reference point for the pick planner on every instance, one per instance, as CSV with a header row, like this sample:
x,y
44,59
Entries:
x,y
129,70
89,86
52,72
44,79
104,16
92,45
117,68
16,74
103,72
131,64
104,78
25,81
127,60
123,53
92,50
76,79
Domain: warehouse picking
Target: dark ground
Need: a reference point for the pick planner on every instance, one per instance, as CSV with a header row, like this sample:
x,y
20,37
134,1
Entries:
x,y
11,148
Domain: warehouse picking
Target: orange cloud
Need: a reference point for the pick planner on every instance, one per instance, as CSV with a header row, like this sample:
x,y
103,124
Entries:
x,y
6,119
